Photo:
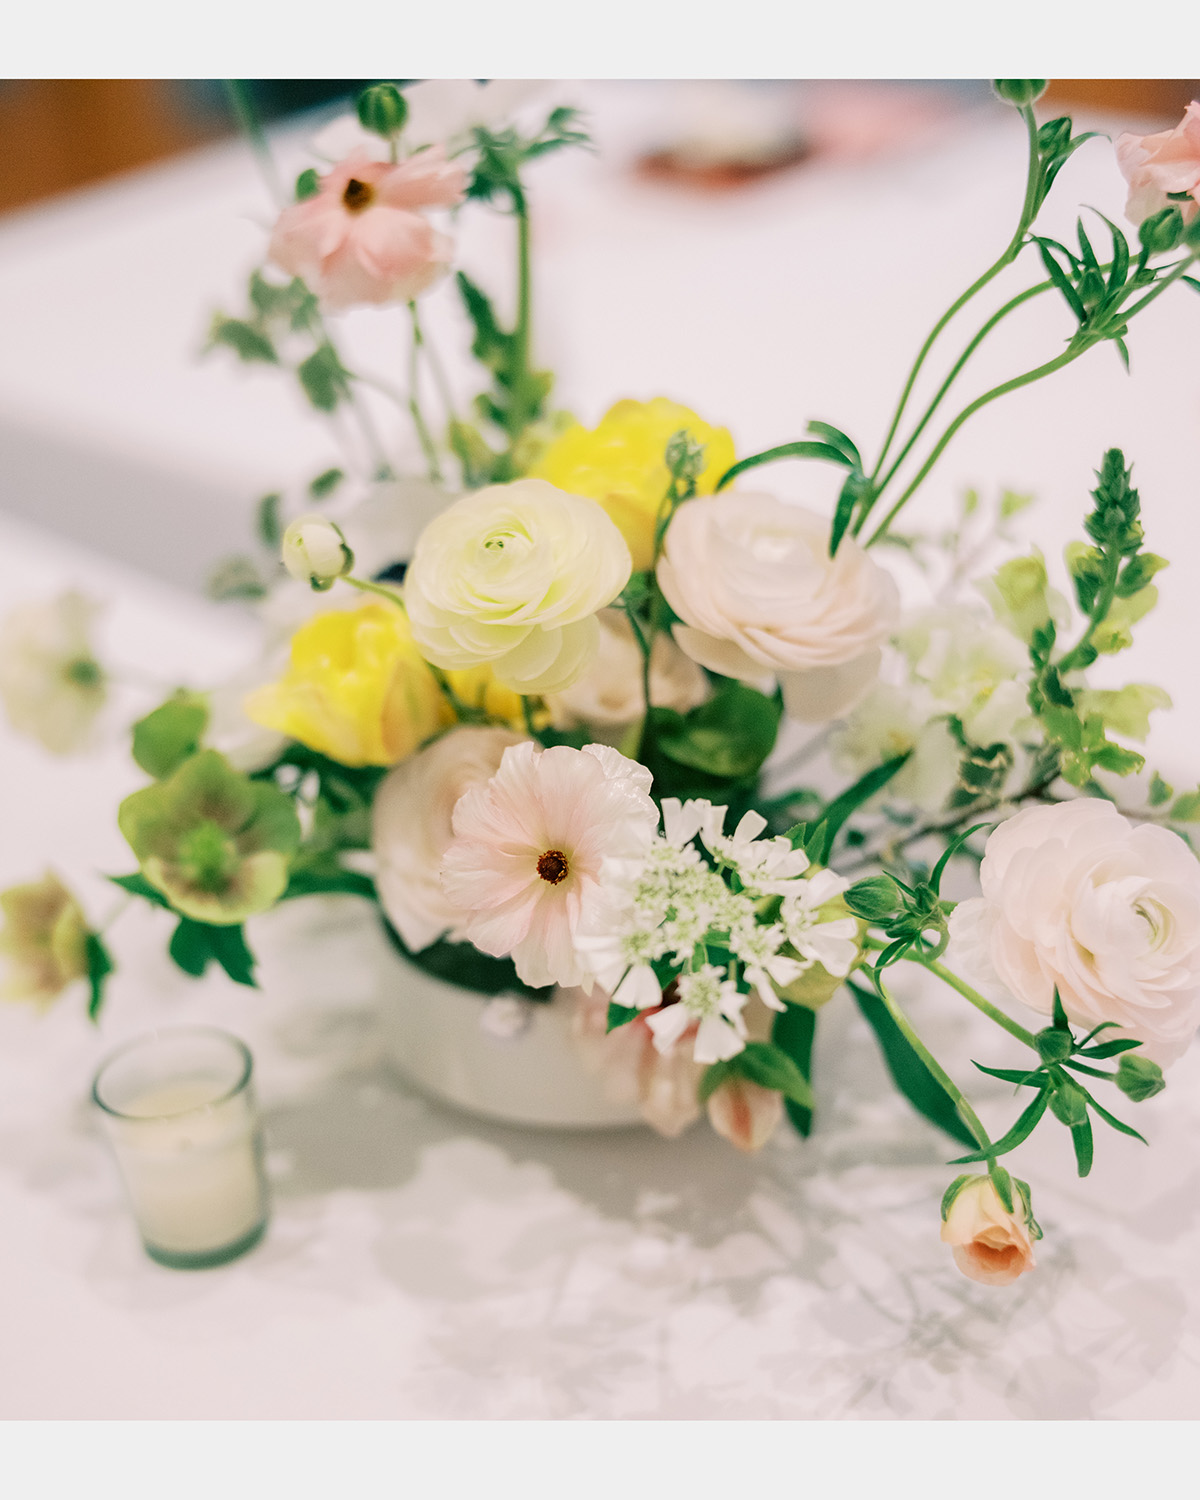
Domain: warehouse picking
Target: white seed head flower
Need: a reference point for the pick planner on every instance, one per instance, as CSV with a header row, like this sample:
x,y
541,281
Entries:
x,y
708,996
315,551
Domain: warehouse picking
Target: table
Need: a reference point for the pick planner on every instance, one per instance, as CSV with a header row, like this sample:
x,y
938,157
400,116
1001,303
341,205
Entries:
x,y
425,1264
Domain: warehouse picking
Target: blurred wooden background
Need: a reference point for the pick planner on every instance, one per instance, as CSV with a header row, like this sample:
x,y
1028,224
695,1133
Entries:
x,y
61,133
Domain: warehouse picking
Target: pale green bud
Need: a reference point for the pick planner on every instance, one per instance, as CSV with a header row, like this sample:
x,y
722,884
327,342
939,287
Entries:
x,y
315,551
1019,91
383,109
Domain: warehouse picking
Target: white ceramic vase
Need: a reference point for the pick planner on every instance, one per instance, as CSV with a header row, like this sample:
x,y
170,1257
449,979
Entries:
x,y
451,1043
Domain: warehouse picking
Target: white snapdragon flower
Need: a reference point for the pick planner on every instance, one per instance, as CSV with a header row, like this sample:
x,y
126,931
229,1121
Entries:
x,y
714,1000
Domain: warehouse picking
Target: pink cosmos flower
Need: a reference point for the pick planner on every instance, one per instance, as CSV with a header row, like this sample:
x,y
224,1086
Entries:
x,y
361,239
525,862
1157,165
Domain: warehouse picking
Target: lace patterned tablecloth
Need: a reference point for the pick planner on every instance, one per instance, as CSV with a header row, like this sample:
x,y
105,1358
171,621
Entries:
x,y
421,1263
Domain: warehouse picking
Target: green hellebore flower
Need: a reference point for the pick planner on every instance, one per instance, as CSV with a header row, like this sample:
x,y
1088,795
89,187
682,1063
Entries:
x,y
216,844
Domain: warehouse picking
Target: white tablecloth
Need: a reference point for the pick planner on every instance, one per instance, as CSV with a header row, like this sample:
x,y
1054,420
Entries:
x,y
419,1262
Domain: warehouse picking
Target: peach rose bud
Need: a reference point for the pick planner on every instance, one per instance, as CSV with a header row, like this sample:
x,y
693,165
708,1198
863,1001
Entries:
x,y
744,1112
990,1244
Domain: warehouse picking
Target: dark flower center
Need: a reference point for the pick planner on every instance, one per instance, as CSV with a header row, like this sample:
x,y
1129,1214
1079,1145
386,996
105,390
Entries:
x,y
553,866
358,195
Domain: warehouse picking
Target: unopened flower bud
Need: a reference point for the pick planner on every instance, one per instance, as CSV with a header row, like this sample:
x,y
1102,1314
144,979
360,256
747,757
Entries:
x,y
1019,91
1053,1045
315,551
1138,1078
383,109
990,1244
1161,231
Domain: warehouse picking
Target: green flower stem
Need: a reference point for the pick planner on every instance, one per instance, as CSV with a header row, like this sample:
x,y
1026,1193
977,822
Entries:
x,y
993,1012
241,102
523,332
414,397
1028,211
367,586
244,109
955,371
972,1121
1070,354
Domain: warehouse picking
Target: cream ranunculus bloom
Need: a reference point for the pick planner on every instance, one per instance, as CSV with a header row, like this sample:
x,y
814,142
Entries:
x,y
760,597
989,1244
51,684
513,576
608,697
1075,897
411,828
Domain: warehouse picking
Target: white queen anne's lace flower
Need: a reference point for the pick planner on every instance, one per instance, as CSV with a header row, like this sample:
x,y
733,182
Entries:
x,y
715,1001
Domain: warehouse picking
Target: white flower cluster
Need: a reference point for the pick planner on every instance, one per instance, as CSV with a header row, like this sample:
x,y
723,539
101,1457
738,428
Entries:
x,y
754,899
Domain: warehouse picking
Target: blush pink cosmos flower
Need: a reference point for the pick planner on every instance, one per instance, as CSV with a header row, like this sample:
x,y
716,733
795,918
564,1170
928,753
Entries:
x,y
525,862
1157,165
362,238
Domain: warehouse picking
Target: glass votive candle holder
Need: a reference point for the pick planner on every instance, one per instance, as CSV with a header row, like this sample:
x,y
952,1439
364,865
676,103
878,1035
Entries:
x,y
179,1112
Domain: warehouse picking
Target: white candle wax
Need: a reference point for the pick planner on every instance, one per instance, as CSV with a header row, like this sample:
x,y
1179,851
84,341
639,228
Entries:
x,y
180,1115
192,1172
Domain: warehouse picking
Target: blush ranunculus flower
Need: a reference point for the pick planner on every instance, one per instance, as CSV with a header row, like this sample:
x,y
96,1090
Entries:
x,y
1157,165
990,1245
361,238
760,598
411,826
1075,897
525,863
513,576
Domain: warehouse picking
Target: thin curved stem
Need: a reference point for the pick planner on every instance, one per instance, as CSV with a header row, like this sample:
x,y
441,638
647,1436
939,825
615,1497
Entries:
x,y
368,586
993,1012
955,371
1028,209
428,447
1072,352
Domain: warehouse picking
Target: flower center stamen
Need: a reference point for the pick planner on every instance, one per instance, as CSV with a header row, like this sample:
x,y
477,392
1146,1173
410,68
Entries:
x,y
358,195
553,867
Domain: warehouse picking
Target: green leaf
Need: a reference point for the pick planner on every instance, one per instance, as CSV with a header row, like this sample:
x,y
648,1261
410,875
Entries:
x,y
1186,808
851,800
462,964
849,499
730,735
171,733
1160,791
793,1031
324,378
247,342
1081,1139
710,1080
308,184
911,1076
1023,1128
99,967
325,483
269,530
772,1068
1117,1124
331,881
1060,279
836,439
194,945
1020,1076
824,451
619,1015
138,885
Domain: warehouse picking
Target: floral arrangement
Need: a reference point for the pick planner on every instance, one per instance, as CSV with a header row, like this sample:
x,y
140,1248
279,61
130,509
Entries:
x,y
537,735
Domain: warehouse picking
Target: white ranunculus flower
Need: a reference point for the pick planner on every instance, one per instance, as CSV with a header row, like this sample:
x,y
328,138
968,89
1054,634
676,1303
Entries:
x,y
51,684
412,830
1076,897
760,597
609,697
513,576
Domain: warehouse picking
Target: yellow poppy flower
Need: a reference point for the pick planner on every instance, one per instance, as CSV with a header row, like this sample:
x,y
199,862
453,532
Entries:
x,y
357,689
622,464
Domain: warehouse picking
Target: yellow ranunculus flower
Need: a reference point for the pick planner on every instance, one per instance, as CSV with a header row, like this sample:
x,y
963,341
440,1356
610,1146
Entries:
x,y
476,687
357,689
622,464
